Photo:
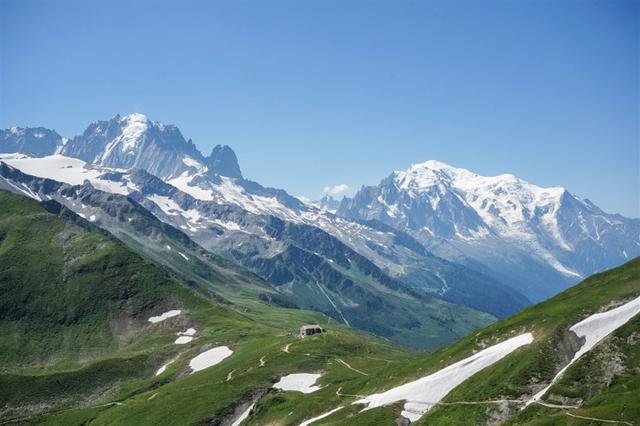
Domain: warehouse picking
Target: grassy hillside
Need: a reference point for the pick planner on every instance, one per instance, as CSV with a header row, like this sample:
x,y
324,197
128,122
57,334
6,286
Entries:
x,y
307,267
532,368
77,347
69,293
75,341
604,383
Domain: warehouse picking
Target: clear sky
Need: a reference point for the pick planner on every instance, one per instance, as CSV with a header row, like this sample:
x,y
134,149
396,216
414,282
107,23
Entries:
x,y
321,93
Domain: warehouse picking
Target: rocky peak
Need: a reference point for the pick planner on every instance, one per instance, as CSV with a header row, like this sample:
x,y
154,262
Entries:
x,y
223,161
32,141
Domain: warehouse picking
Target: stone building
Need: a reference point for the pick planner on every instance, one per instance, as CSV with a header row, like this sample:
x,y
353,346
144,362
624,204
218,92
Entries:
x,y
310,330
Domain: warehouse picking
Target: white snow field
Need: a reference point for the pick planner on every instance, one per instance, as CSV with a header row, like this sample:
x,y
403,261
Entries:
x,y
299,382
595,328
68,170
185,336
243,416
420,395
209,358
165,315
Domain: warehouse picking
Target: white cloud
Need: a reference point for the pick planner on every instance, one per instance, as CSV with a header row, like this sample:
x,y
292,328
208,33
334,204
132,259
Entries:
x,y
336,189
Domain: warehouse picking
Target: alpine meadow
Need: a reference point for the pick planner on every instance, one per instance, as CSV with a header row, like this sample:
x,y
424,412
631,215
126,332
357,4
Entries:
x,y
319,213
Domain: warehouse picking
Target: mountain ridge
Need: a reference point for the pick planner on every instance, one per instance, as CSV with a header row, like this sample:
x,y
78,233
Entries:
x,y
299,246
350,285
461,227
437,202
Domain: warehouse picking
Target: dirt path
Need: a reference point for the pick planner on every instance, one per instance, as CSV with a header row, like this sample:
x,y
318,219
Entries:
x,y
598,420
542,403
351,368
230,374
491,401
339,393
22,419
380,359
511,401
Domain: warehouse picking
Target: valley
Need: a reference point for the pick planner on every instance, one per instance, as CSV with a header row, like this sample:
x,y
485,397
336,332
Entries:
x,y
144,283
146,377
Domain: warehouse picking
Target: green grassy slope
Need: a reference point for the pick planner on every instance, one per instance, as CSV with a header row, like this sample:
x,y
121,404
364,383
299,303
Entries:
x,y
530,370
69,293
75,341
605,395
604,383
71,300
76,346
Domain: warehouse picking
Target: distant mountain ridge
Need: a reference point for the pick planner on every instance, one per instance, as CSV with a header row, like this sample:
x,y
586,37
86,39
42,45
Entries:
x,y
307,265
457,214
134,141
36,141
494,239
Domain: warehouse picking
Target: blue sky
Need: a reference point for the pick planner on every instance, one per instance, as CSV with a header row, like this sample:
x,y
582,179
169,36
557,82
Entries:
x,y
320,93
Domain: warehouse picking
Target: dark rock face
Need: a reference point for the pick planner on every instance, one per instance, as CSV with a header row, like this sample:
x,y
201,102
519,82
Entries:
x,y
223,162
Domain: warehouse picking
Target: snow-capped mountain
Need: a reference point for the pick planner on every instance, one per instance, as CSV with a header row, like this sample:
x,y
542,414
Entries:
x,y
304,264
134,141
498,220
327,203
492,230
297,247
35,141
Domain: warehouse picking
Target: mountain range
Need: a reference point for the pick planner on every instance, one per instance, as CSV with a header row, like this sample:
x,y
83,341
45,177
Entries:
x,y
526,233
434,251
144,283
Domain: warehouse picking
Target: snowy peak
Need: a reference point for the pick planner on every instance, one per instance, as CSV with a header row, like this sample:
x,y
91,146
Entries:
x,y
327,203
432,172
126,142
498,200
134,127
135,117
34,141
133,130
223,161
134,141
435,201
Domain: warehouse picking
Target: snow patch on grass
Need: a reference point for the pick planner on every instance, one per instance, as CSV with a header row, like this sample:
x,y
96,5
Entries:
x,y
209,358
299,382
422,394
165,315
